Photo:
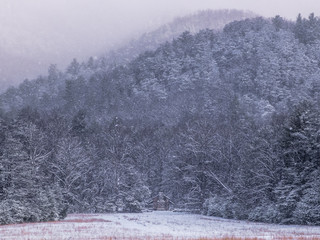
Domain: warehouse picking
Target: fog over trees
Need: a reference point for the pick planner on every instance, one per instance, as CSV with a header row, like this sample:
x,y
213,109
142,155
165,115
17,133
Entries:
x,y
225,123
51,33
36,33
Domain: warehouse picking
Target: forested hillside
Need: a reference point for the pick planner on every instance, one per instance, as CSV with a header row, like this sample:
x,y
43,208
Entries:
x,y
224,123
193,23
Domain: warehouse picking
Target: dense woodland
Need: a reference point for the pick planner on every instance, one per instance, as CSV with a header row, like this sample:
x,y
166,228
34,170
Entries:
x,y
224,123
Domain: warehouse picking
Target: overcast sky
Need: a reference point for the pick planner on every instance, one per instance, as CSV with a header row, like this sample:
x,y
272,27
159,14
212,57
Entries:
x,y
120,18
51,30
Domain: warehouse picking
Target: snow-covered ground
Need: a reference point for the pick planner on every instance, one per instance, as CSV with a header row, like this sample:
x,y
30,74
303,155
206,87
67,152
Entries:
x,y
150,225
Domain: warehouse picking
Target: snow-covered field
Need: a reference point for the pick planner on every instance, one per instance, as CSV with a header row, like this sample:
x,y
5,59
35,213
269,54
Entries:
x,y
152,225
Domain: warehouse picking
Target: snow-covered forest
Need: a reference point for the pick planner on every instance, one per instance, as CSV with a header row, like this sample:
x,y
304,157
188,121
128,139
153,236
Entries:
x,y
225,123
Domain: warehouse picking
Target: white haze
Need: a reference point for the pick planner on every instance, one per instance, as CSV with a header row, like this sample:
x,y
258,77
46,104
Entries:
x,y
35,33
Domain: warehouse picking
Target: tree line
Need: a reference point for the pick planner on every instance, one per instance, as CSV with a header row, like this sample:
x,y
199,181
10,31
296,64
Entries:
x,y
224,123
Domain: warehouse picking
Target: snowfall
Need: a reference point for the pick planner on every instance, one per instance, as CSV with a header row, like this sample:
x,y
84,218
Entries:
x,y
152,225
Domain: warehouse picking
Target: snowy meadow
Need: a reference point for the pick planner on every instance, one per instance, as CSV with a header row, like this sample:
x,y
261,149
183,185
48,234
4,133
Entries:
x,y
153,225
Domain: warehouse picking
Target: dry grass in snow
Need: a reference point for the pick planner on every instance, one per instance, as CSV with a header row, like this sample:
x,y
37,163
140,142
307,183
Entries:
x,y
154,226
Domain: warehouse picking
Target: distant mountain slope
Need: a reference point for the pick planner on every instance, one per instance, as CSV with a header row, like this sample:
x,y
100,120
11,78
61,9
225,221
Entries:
x,y
26,52
206,19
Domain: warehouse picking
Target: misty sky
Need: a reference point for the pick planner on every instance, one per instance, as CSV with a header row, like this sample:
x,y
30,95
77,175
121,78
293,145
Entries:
x,y
55,31
129,15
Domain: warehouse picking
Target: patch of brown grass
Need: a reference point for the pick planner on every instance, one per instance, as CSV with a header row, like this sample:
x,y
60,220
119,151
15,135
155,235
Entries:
x,y
204,238
296,238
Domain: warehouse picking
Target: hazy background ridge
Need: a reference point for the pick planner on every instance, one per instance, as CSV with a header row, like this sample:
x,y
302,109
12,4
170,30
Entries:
x,y
35,33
